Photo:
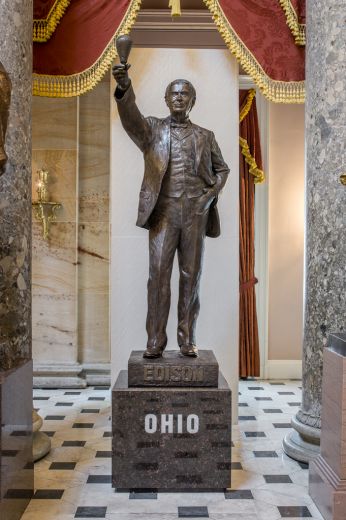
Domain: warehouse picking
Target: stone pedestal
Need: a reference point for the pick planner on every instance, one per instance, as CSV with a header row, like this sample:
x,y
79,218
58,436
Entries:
x,y
173,369
171,437
16,466
327,474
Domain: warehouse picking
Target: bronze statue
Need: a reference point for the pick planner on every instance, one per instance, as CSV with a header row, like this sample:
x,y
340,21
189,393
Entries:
x,y
184,173
5,99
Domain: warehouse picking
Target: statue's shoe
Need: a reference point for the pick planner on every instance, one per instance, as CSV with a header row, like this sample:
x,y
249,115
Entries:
x,y
153,352
189,350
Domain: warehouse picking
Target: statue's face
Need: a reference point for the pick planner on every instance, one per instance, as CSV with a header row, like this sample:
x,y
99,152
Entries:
x,y
179,99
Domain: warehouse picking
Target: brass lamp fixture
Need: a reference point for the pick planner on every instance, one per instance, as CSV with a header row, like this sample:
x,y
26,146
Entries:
x,y
43,208
343,179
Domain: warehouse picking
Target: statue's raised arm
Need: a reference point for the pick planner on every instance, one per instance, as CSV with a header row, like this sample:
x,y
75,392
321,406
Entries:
x,y
5,99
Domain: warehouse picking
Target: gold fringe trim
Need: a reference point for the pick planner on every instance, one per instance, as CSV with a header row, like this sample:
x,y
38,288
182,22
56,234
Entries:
x,y
175,7
43,29
82,82
246,108
251,161
297,29
277,91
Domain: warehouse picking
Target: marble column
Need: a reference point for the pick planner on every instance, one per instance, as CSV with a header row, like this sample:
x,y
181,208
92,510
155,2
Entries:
x,y
325,245
16,479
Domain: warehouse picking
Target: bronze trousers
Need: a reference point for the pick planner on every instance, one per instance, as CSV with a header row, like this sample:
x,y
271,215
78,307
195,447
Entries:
x,y
176,224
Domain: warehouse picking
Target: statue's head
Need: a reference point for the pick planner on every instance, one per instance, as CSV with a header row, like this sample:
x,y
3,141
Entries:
x,y
5,99
180,97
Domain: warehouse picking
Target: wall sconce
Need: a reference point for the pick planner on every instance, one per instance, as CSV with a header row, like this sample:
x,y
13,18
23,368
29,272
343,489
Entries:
x,y
343,179
43,208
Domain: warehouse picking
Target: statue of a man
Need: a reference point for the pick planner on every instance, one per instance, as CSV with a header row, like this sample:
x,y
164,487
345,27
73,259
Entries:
x,y
184,173
5,99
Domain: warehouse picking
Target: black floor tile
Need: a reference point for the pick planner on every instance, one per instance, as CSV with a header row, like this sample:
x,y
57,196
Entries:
x,y
247,418
100,454
282,425
90,410
54,417
255,388
51,494
49,433
63,465
243,404
277,384
272,410
75,444
64,404
277,479
96,398
239,494
286,393
193,512
294,512
255,434
72,393
143,494
263,398
101,387
83,425
18,493
263,454
91,512
107,434
236,465
40,398
294,404
9,453
99,479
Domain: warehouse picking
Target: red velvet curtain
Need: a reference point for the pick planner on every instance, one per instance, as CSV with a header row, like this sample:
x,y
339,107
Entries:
x,y
250,171
81,48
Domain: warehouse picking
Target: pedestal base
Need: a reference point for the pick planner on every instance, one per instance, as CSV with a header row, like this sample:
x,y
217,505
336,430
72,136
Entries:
x,y
16,466
171,438
327,490
303,442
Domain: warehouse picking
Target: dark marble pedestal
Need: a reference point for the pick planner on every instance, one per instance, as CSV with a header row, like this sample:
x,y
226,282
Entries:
x,y
16,466
327,472
171,438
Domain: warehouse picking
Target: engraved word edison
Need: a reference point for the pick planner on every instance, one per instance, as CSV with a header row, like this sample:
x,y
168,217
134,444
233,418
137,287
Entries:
x,y
169,425
164,373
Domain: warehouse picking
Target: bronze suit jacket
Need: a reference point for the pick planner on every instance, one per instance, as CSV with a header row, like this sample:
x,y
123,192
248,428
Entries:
x,y
152,136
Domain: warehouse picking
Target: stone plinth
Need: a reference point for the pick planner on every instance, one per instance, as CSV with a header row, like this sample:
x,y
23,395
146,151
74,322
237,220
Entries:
x,y
16,466
171,438
327,476
173,369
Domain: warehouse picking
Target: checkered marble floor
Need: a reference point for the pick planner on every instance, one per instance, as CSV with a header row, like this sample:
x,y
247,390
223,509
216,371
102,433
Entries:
x,y
74,480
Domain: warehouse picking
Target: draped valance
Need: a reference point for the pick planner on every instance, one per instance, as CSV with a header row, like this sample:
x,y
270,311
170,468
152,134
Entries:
x,y
81,48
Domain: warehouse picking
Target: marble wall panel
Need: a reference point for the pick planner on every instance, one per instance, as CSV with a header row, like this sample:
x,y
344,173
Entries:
x,y
94,144
94,229
54,268
55,328
61,165
93,327
54,123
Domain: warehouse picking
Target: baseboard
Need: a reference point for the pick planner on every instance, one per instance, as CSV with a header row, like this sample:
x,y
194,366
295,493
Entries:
x,y
97,374
283,369
71,376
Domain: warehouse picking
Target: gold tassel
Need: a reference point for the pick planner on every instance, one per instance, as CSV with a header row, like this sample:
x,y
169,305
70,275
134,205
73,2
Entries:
x,y
175,6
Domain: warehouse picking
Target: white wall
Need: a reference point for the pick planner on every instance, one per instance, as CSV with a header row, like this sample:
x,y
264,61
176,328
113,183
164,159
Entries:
x,y
286,240
214,74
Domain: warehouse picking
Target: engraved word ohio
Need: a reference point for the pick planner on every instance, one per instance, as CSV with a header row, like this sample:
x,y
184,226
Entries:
x,y
170,423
